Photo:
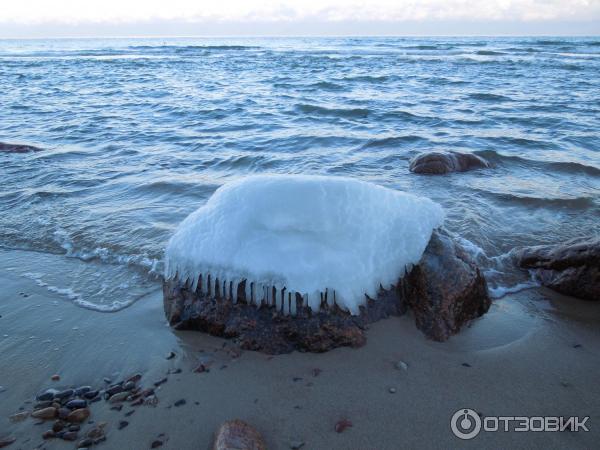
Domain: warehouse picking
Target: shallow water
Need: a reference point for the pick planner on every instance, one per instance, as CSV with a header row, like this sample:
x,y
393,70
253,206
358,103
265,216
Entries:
x,y
139,132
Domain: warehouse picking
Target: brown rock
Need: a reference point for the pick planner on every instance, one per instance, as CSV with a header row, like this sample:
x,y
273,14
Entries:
x,y
55,377
438,163
236,434
78,415
445,290
45,413
120,397
571,268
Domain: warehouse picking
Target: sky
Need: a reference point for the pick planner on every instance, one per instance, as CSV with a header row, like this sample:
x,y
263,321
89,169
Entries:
x,y
63,18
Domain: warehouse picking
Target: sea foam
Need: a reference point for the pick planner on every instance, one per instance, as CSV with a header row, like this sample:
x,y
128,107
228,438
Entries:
x,y
326,238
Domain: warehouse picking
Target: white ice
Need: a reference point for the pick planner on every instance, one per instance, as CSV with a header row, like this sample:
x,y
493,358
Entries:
x,y
307,234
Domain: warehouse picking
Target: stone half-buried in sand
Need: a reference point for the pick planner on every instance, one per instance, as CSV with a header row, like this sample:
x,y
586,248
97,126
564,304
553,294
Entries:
x,y
301,262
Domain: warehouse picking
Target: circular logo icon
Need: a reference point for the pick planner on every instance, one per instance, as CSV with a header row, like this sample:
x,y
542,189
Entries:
x,y
465,424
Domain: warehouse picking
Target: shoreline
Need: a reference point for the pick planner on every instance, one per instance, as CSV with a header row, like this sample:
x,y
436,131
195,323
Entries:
x,y
534,353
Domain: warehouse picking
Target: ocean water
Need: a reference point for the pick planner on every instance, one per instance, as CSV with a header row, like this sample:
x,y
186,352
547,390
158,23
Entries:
x,y
137,133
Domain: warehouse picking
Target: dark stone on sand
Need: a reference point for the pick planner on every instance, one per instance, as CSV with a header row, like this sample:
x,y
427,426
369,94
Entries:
x,y
81,391
571,268
91,394
76,404
180,402
85,443
70,436
115,389
156,444
123,424
439,163
17,148
445,290
47,395
64,394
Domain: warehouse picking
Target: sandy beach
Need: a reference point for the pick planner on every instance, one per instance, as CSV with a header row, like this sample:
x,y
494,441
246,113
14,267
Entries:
x,y
535,353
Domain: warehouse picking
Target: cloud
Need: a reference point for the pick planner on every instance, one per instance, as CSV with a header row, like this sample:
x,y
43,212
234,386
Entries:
x,y
35,12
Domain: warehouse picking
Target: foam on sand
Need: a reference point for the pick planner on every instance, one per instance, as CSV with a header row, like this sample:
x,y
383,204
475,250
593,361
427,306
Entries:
x,y
323,237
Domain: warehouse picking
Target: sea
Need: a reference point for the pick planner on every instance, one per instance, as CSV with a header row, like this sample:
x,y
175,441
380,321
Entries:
x,y
136,133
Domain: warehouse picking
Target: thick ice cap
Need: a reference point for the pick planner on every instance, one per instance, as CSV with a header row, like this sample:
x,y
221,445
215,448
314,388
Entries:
x,y
305,233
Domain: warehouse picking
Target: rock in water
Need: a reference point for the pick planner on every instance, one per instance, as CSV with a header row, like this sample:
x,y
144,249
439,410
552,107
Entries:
x,y
445,290
439,163
238,435
18,148
572,268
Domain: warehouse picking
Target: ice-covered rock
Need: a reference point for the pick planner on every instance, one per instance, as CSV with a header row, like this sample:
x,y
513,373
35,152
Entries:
x,y
331,240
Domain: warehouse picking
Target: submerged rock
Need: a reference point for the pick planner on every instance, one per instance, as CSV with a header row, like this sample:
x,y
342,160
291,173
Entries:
x,y
438,163
18,148
445,290
571,268
237,434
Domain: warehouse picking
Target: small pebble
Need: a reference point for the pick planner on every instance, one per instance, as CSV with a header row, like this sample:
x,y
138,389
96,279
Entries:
x,y
55,377
44,414
64,394
297,379
114,389
129,413
81,391
91,394
69,436
87,442
401,365
156,444
2,389
78,415
295,445
577,346
76,404
123,424
47,395
392,390
74,428
120,397
171,355
315,373
180,402
107,380
466,364
117,408
159,382
135,378
48,434
342,425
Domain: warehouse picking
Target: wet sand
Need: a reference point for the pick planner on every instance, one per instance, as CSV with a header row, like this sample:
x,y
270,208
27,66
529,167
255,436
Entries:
x,y
534,353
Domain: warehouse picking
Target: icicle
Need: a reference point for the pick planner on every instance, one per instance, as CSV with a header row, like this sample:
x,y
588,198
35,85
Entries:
x,y
292,301
235,286
269,296
248,291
